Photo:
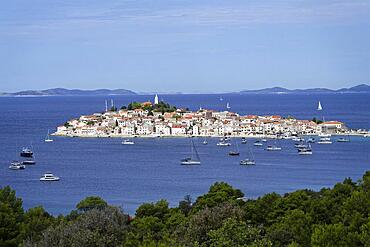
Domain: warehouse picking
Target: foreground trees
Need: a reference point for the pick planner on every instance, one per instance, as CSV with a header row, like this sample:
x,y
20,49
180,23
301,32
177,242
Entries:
x,y
331,217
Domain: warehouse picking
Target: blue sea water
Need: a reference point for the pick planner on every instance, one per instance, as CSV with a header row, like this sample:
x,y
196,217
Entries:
x,y
127,175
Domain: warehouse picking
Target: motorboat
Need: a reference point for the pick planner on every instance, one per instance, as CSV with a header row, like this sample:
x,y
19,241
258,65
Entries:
x,y
258,144
48,176
26,152
29,162
234,153
273,148
311,140
263,140
223,143
247,162
324,135
204,142
342,139
297,139
16,165
300,145
128,142
305,151
194,159
324,140
244,141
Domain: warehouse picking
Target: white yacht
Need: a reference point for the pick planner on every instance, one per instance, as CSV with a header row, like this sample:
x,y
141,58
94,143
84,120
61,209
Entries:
x,y
48,139
16,165
273,148
258,144
223,143
247,162
324,140
128,142
324,135
48,176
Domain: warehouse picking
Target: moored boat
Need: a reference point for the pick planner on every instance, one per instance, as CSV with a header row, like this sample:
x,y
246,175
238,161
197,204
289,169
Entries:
x,y
194,159
29,162
26,152
247,162
273,148
16,165
128,142
48,176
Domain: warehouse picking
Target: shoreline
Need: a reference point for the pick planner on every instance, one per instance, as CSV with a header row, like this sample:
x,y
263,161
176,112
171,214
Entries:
x,y
189,136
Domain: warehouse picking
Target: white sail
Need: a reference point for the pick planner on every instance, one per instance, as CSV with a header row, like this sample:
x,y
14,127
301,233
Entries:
x,y
228,105
319,107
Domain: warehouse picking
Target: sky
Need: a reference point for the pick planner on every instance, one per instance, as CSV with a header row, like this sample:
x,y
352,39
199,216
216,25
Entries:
x,y
183,46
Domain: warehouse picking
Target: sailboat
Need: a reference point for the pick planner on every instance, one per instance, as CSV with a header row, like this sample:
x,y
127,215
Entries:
x,y
228,106
235,152
48,139
248,161
319,107
194,159
205,141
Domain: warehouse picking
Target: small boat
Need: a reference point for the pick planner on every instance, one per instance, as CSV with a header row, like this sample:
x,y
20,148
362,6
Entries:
x,y
244,141
305,151
26,152
263,140
127,142
223,143
48,139
48,176
300,145
311,140
205,142
29,162
228,106
247,162
250,160
194,159
324,140
342,139
324,135
273,148
297,139
16,165
236,151
258,144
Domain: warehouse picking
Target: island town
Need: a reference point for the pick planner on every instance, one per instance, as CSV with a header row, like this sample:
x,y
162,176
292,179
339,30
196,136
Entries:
x,y
159,119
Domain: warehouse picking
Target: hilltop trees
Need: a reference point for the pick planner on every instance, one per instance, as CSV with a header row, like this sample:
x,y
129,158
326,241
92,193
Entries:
x,y
222,217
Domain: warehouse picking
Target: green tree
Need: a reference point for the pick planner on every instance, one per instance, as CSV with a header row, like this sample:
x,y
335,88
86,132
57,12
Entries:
x,y
329,236
91,202
237,233
36,220
11,217
218,193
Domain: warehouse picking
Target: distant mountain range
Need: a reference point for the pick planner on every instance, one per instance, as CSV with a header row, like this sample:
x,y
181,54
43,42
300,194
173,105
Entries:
x,y
71,92
362,88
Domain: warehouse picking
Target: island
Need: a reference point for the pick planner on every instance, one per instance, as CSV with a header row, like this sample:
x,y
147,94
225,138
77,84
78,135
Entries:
x,y
160,119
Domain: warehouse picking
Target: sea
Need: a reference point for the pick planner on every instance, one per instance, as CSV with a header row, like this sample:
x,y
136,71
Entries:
x,y
150,170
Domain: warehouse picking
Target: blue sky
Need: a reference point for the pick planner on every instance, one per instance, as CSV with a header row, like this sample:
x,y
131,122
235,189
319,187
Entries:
x,y
180,45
